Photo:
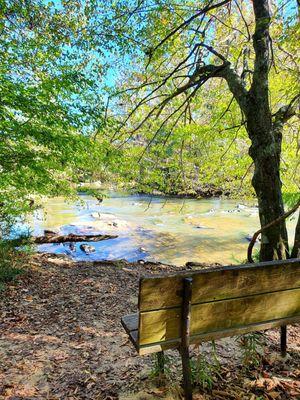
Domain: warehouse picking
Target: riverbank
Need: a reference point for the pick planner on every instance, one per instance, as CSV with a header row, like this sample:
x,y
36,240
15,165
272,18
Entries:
x,y
201,192
61,338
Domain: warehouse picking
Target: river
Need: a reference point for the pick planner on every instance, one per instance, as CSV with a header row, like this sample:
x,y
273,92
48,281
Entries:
x,y
169,230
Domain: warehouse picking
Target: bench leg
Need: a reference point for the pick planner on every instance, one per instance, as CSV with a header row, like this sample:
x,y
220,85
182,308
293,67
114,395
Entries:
x,y
283,340
185,338
186,371
161,362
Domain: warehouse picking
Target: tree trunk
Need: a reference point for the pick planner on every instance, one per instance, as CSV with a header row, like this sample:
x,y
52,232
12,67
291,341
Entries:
x,y
265,149
296,248
267,184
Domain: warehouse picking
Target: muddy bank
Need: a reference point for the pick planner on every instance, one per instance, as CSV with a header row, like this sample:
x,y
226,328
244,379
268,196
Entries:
x,y
61,338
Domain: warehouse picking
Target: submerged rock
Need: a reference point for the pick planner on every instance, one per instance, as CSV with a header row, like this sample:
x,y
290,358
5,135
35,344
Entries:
x,y
106,221
49,232
241,207
86,248
252,215
72,246
250,236
202,227
234,211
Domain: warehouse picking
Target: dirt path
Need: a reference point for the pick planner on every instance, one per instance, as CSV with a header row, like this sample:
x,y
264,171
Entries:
x,y
61,337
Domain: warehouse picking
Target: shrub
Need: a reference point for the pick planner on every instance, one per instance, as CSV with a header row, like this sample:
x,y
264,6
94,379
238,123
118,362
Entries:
x,y
13,258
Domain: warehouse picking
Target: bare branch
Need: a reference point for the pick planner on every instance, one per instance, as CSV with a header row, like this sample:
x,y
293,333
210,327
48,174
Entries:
x,y
213,51
244,20
204,10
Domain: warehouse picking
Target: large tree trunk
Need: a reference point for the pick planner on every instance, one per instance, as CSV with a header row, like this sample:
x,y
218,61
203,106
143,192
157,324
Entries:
x,y
267,184
296,247
266,142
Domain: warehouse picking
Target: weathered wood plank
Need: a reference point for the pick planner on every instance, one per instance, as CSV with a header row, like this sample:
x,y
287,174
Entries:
x,y
197,339
130,322
164,325
221,283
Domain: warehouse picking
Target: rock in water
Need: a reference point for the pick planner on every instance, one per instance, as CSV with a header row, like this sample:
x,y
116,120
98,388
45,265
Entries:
x,y
87,249
72,246
48,232
203,227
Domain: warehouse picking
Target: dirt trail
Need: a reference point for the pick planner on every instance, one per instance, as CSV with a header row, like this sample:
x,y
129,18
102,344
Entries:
x,y
61,337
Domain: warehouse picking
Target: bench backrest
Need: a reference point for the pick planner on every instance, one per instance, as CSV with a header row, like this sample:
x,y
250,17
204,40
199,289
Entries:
x,y
225,301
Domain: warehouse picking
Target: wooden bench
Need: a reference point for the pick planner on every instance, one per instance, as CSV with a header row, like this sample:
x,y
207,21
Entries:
x,y
184,308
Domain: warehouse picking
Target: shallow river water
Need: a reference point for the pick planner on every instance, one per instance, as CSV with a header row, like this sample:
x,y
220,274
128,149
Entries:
x,y
169,230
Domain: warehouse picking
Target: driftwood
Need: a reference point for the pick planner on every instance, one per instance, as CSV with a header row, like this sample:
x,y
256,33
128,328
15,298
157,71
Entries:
x,y
71,238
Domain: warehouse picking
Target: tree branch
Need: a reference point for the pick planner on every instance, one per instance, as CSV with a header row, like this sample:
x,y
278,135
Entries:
x,y
288,111
261,44
204,10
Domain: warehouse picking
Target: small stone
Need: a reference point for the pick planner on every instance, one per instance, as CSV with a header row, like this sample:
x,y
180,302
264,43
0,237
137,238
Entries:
x,y
72,246
87,248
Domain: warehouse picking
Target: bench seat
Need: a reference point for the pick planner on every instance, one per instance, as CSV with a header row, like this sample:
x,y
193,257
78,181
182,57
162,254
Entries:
x,y
190,307
130,323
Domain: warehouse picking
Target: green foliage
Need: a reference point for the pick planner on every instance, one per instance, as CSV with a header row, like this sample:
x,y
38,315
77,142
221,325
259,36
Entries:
x,y
204,369
12,261
97,193
291,199
160,365
252,350
207,145
202,373
49,105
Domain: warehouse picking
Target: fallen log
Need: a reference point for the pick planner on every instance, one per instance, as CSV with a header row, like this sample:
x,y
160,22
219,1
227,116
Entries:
x,y
71,238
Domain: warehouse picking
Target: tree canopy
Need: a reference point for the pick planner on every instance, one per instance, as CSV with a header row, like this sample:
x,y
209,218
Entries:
x,y
50,102
198,124
198,98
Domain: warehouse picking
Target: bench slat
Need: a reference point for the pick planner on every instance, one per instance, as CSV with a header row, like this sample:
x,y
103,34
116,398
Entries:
x,y
221,283
164,325
197,339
